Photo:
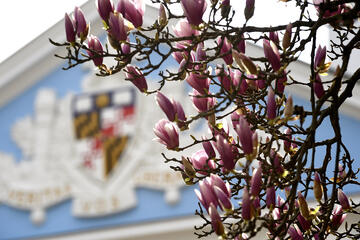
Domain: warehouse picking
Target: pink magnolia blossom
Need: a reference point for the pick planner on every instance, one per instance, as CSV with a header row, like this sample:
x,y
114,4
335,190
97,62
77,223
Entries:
x,y
249,9
226,47
287,143
327,13
118,30
318,189
245,135
80,24
208,148
199,82
273,36
226,152
134,75
295,233
270,197
320,57
305,224
69,29
206,195
272,54
132,10
194,10
167,133
318,87
246,205
95,45
184,29
166,105
105,7
200,161
216,222
201,103
337,217
218,182
256,182
343,199
223,198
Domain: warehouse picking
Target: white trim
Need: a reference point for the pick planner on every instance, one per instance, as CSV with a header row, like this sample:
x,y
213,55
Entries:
x,y
174,229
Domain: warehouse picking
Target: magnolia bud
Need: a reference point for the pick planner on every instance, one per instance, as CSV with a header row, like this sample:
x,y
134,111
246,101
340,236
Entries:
x,y
244,62
256,181
318,87
226,152
225,50
188,168
320,57
287,143
249,9
246,205
216,223
105,7
274,37
289,108
270,197
272,54
82,28
96,50
304,208
162,19
344,201
271,104
245,135
208,148
287,37
318,188
225,8
69,29
166,105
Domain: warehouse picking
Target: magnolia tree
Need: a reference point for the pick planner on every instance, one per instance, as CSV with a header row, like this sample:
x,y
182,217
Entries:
x,y
260,171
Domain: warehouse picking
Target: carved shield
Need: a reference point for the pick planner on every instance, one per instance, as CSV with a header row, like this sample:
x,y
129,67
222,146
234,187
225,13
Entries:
x,y
103,124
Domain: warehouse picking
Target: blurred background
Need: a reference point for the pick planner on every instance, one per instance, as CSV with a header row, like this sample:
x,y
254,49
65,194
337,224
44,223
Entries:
x,y
56,179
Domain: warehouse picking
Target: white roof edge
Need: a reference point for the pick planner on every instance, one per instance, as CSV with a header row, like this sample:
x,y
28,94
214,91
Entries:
x,y
134,231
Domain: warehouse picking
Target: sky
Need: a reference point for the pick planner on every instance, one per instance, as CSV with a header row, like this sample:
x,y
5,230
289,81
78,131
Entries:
x,y
23,20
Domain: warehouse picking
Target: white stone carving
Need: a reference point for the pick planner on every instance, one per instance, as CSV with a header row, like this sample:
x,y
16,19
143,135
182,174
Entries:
x,y
51,171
